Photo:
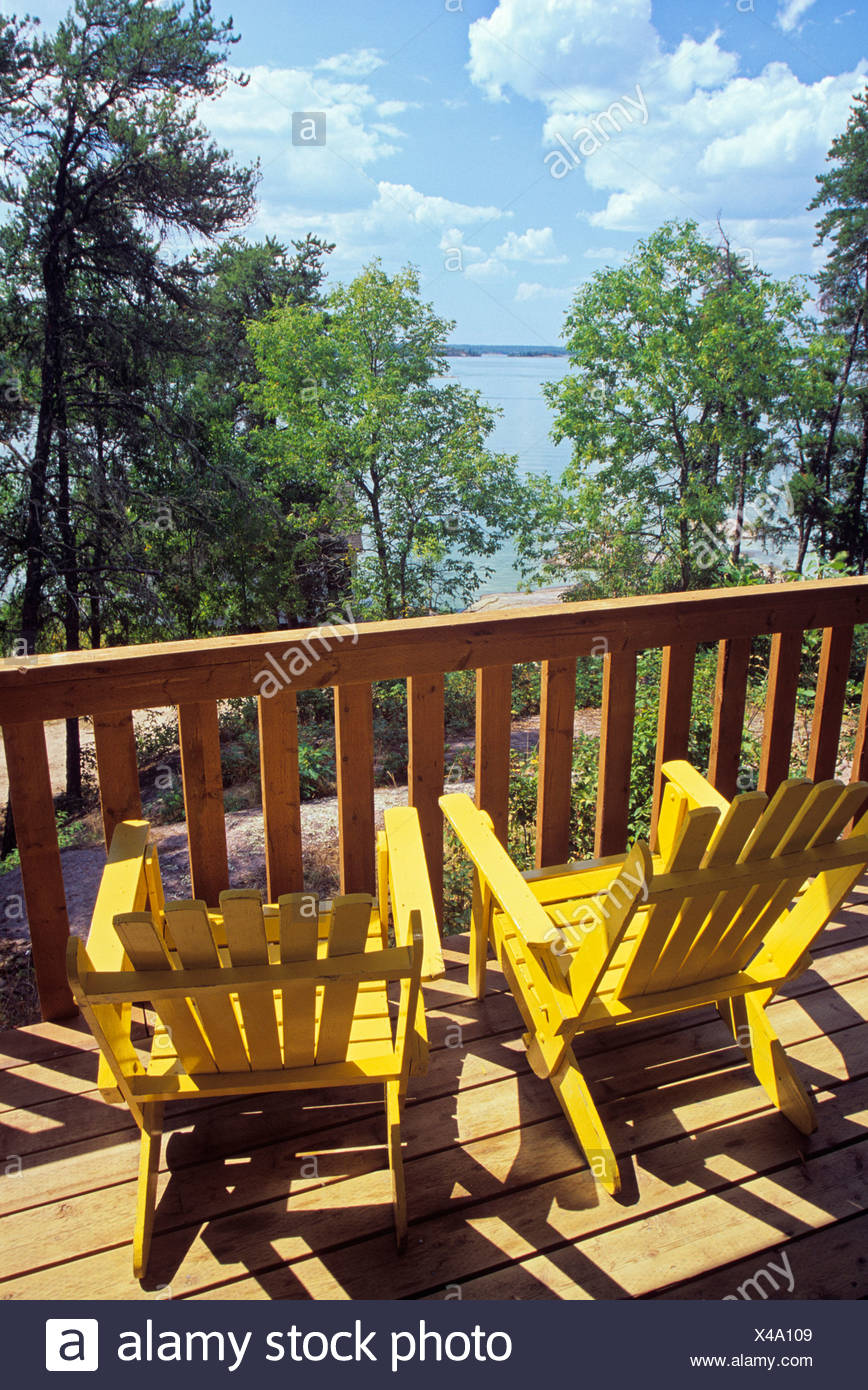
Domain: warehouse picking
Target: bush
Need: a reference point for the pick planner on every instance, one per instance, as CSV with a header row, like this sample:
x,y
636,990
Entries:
x,y
156,736
316,770
460,700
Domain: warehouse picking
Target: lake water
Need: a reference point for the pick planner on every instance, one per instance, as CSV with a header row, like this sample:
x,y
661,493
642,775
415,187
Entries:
x,y
515,385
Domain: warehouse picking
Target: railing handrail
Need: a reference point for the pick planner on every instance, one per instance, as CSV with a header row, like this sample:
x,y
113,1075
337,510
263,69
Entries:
x,y
66,684
112,683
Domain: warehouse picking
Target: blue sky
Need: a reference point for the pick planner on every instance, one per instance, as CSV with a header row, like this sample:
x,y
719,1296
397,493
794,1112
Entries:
x,y
469,136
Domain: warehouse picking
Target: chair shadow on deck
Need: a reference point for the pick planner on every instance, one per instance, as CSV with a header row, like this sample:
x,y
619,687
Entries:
x,y
484,1176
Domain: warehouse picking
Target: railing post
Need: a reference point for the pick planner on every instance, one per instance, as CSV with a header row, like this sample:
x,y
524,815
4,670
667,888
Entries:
x,y
557,717
493,724
673,722
616,752
281,797
199,736
780,714
354,745
730,695
425,740
829,702
117,769
36,832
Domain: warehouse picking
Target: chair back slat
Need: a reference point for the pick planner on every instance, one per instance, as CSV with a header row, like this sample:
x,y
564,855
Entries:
x,y
348,932
299,918
690,848
700,912
821,823
739,933
189,931
247,945
734,911
146,950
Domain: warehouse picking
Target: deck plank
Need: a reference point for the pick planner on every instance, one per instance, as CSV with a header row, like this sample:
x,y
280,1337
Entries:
x,y
500,1200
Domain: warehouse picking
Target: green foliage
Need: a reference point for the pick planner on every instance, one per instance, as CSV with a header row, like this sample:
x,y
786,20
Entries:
x,y
460,700
156,736
682,365
316,769
583,808
386,452
829,489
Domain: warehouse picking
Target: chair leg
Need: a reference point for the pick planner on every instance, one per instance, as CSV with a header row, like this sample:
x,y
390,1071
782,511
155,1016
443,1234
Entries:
x,y
394,1100
149,1165
575,1099
478,943
751,1029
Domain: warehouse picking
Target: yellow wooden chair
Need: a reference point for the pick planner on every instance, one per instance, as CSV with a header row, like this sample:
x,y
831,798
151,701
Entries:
x,y
253,999
724,915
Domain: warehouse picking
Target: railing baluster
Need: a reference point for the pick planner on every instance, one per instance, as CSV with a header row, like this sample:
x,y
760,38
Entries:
x,y
354,741
780,713
281,799
556,724
199,736
673,722
425,736
829,702
36,833
730,695
616,752
117,769
859,772
493,722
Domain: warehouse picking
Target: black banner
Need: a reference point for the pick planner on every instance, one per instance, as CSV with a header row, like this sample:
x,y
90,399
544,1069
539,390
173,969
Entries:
x,y
419,1344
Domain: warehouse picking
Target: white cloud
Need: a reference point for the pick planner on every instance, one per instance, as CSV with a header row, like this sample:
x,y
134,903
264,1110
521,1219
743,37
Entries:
x,y
706,139
398,216
394,108
790,13
545,49
256,120
534,290
492,268
536,244
359,63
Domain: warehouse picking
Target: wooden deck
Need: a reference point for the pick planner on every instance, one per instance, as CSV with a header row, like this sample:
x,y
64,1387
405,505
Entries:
x,y
500,1204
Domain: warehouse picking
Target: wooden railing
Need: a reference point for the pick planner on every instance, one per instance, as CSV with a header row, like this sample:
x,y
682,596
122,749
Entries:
x,y
193,676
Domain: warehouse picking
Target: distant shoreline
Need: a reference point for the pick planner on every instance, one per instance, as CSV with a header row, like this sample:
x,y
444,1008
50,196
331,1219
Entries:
x,y
501,350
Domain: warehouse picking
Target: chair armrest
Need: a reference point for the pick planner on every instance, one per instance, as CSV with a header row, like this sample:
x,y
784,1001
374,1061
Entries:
x,y
122,888
692,785
410,887
473,829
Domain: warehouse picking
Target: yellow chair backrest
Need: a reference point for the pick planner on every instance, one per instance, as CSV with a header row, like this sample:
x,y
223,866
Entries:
x,y
306,1017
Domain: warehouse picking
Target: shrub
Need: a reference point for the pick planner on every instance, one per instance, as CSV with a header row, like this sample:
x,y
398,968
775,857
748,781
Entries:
x,y
460,700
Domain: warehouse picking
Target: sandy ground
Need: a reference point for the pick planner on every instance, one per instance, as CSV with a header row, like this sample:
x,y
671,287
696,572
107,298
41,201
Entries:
x,y
55,742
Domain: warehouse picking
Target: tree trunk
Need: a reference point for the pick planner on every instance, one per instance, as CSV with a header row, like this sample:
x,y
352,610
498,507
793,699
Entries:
x,y
741,487
856,545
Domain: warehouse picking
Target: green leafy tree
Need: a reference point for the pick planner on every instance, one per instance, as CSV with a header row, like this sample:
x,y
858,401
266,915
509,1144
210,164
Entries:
x,y
681,362
224,542
390,453
102,163
832,477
